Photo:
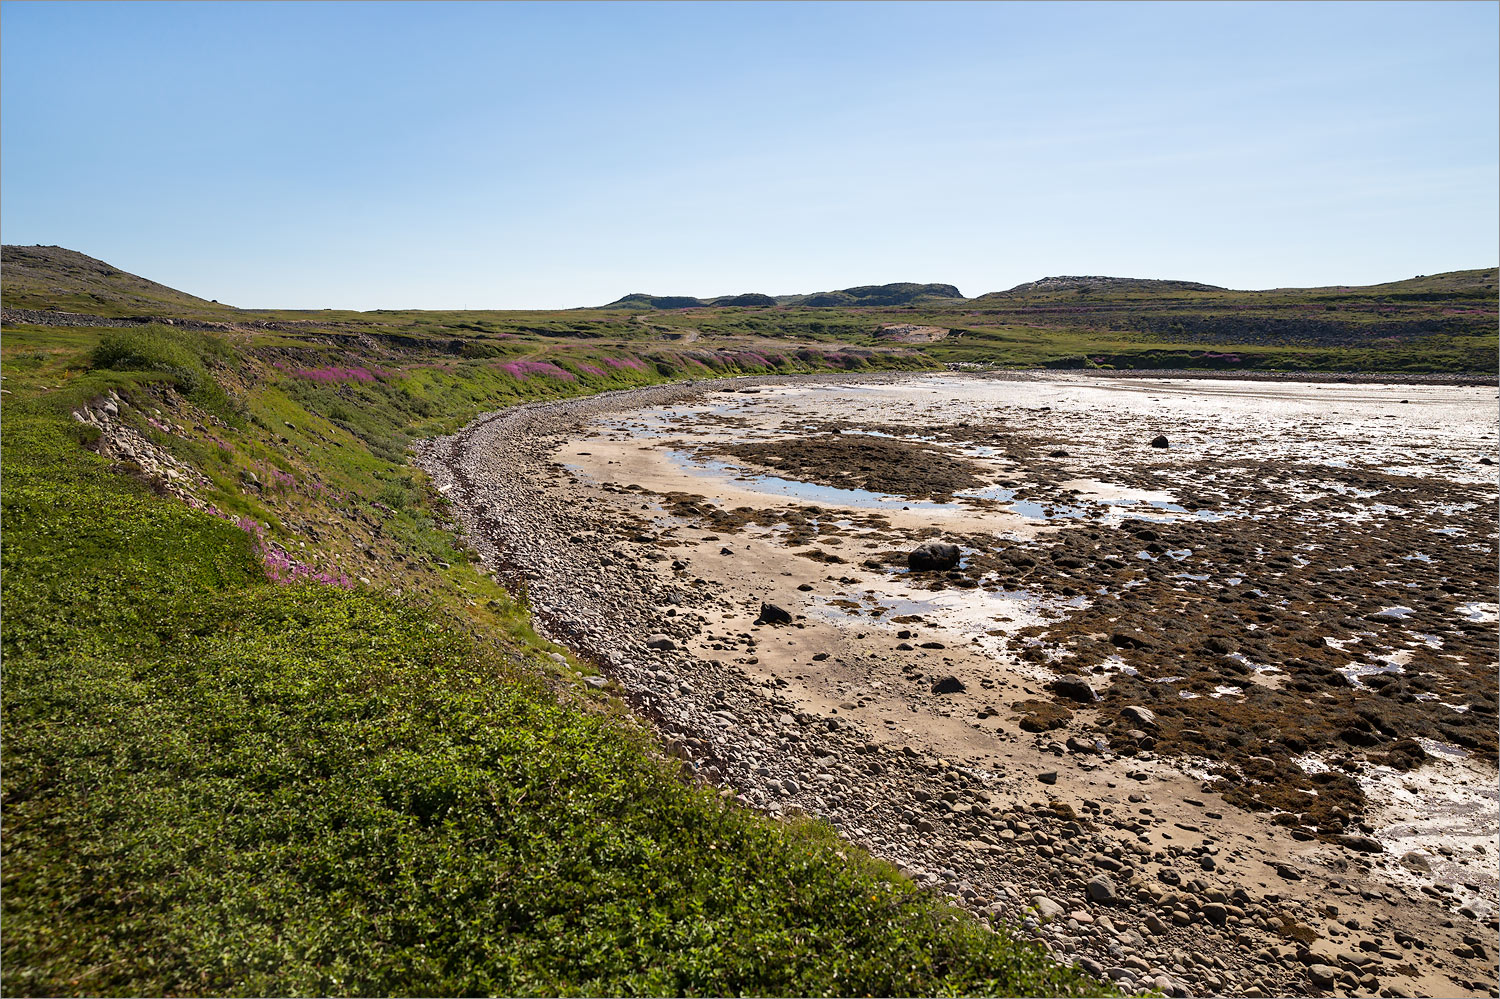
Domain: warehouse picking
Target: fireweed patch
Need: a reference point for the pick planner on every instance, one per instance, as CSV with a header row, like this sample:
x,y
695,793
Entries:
x,y
523,370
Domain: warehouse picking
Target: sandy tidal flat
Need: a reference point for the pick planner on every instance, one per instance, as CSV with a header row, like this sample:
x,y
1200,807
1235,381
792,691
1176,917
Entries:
x,y
1222,644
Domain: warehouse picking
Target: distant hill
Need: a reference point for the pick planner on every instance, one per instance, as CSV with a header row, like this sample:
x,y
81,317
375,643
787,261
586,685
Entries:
x,y
640,300
877,295
1480,283
884,295
54,278
1473,283
1092,283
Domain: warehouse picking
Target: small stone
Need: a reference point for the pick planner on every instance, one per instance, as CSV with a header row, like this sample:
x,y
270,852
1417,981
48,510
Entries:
x,y
1139,716
1363,844
772,614
949,685
1077,745
1075,689
934,555
1160,440
1322,975
1102,889
1047,777
660,642
1046,907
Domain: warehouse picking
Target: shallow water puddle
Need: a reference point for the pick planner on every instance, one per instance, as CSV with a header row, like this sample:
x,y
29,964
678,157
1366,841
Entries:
x,y
712,469
964,610
1438,824
1480,613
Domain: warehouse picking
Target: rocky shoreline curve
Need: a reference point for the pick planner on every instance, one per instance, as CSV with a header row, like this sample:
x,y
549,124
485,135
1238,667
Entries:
x,y
1094,883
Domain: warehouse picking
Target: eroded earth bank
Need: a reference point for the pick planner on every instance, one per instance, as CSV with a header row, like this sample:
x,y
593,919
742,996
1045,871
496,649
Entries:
x,y
1207,701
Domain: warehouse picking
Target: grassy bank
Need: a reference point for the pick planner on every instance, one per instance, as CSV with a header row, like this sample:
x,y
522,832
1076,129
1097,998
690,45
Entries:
x,y
372,777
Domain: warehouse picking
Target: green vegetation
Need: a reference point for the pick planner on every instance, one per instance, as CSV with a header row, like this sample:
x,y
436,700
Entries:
x,y
268,728
218,784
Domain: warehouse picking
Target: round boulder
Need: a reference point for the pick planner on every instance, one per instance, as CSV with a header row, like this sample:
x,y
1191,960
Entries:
x,y
773,614
949,685
933,555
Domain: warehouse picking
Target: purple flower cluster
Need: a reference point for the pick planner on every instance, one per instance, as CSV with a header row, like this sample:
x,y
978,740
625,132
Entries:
x,y
521,370
281,567
337,374
333,373
589,369
632,363
754,358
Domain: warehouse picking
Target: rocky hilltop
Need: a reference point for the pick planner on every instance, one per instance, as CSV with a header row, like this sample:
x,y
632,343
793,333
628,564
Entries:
x,y
874,295
1091,283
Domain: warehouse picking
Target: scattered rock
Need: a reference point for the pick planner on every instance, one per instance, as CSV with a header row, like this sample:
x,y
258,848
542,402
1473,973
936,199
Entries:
x,y
1075,689
1160,441
772,614
1077,745
1322,975
1364,844
949,685
660,642
931,556
1047,908
1130,640
1102,889
1141,717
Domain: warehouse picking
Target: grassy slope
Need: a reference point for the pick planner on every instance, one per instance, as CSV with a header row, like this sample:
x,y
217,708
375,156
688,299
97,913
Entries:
x,y
215,784
51,277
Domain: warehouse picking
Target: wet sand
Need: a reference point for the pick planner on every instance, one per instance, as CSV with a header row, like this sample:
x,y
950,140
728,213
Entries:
x,y
1271,823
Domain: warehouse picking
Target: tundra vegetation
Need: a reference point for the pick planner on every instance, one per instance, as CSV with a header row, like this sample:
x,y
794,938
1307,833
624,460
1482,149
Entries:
x,y
269,728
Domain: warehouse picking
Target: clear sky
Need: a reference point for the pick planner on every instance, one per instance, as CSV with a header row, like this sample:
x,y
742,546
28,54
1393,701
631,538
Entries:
x,y
390,155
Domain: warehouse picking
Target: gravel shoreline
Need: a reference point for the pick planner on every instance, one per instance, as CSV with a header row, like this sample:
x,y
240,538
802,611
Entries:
x,y
1078,880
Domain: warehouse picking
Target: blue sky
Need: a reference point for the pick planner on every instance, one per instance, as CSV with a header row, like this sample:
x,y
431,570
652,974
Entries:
x,y
481,155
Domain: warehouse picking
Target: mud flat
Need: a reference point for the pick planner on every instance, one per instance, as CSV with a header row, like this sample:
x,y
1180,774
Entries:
x,y
1207,703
